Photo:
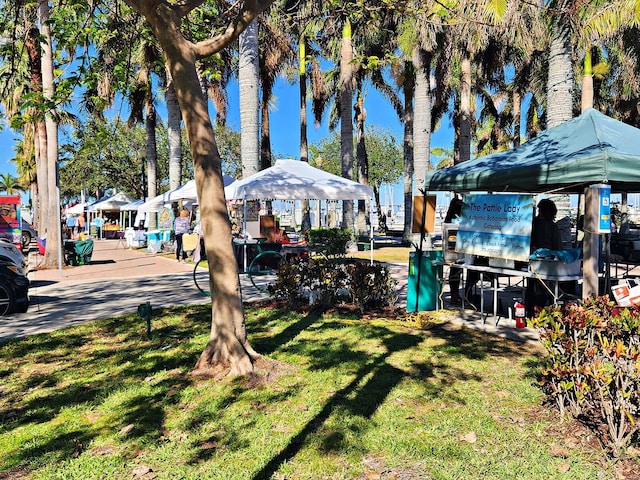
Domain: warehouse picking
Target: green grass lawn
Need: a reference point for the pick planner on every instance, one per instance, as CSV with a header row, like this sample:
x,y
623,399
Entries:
x,y
344,399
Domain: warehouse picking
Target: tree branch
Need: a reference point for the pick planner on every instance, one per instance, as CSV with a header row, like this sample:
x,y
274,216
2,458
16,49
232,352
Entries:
x,y
249,11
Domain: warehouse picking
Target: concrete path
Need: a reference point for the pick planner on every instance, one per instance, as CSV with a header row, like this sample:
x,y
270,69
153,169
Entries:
x,y
118,280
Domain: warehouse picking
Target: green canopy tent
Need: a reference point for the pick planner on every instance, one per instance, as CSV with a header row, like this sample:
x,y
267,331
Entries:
x,y
591,148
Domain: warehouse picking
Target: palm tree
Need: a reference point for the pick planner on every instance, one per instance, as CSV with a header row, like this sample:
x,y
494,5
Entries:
x,y
9,184
248,82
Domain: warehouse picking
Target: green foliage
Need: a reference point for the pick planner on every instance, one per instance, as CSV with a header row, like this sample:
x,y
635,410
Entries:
x,y
593,365
331,242
371,286
109,154
383,151
326,282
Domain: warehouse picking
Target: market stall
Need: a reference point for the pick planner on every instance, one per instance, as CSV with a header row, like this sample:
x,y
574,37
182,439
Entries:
x,y
589,149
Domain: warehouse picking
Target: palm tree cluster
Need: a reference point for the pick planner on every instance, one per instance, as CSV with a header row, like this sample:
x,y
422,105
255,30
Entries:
x,y
481,65
477,64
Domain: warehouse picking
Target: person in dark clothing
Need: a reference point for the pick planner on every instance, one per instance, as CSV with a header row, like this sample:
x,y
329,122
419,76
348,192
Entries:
x,y
544,231
544,234
453,214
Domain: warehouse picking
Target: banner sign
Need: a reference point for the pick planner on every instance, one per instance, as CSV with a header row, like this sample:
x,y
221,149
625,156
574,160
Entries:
x,y
10,223
496,225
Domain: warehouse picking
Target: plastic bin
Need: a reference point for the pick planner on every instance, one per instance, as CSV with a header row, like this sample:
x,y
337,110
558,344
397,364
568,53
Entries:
x,y
425,281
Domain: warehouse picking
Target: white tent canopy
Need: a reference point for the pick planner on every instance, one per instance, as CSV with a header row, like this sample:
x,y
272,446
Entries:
x,y
295,180
184,192
77,209
112,203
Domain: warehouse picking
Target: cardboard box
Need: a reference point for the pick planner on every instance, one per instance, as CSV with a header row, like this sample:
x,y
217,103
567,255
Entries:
x,y
626,293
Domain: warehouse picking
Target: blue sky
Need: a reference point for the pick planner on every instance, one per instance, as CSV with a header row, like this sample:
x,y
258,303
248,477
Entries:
x,y
284,125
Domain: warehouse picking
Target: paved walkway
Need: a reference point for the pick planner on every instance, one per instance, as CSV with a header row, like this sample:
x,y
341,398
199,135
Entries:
x,y
118,280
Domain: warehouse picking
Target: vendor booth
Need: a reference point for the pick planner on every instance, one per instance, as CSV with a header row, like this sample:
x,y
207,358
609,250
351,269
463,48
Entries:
x,y
291,180
589,150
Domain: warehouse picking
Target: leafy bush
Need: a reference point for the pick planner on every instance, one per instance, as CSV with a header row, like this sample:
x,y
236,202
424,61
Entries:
x,y
331,242
371,286
325,282
593,365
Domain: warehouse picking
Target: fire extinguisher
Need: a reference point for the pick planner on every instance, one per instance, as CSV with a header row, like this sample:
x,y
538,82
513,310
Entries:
x,y
520,313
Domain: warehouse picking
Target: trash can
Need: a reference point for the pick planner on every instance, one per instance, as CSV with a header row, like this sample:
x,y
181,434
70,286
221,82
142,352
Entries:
x,y
424,282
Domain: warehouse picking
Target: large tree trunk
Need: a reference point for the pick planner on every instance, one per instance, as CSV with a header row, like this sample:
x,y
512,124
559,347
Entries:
x,y
227,348
408,89
248,82
152,159
40,132
304,145
560,79
465,111
50,203
422,120
346,127
174,119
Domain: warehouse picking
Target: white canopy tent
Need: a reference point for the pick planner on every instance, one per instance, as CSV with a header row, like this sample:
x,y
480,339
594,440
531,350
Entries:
x,y
112,203
77,209
186,192
296,180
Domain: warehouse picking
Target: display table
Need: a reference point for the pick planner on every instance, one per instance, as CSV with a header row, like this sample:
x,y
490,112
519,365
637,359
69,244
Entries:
x,y
497,272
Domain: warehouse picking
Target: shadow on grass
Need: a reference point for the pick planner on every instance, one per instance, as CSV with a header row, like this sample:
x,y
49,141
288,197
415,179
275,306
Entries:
x,y
375,377
108,361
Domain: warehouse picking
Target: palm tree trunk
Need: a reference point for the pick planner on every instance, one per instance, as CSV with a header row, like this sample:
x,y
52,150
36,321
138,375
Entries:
x,y
51,210
517,111
152,159
362,163
408,89
304,143
248,81
422,119
560,80
465,111
587,82
346,127
174,118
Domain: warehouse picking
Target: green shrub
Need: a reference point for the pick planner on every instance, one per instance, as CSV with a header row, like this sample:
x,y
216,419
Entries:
x,y
593,365
371,286
331,242
326,282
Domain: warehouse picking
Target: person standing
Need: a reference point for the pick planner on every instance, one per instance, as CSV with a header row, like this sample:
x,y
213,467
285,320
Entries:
x,y
181,226
80,223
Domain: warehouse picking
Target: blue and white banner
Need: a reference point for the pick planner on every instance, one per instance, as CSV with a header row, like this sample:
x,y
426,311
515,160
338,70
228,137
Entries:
x,y
496,225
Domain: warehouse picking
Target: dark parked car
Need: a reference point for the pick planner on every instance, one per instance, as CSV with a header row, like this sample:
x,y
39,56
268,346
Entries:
x,y
14,289
28,233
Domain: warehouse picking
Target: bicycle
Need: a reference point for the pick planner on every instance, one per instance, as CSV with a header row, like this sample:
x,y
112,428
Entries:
x,y
267,262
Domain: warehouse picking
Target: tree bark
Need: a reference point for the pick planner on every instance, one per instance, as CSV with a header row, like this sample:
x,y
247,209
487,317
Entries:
x,y
50,203
560,79
408,89
174,119
248,82
422,120
228,348
346,127
465,110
